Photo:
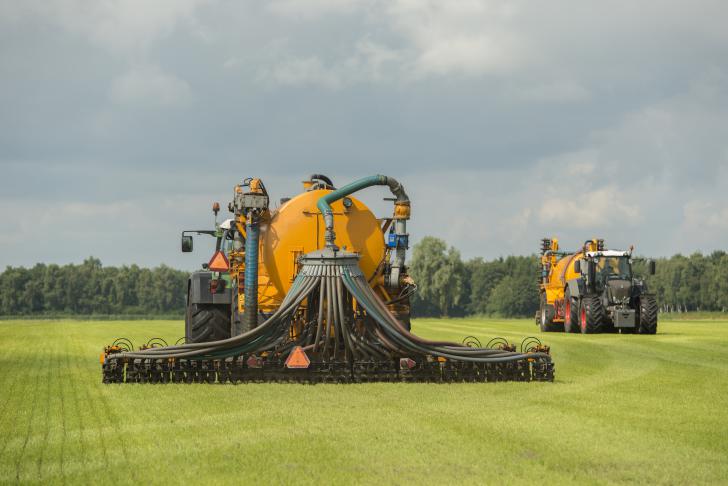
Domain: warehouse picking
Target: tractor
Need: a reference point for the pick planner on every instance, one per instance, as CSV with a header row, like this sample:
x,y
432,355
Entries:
x,y
593,291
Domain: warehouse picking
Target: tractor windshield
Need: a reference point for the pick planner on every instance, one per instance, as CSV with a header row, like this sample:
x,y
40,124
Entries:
x,y
613,268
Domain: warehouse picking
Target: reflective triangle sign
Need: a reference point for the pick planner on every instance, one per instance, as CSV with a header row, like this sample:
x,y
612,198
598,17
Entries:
x,y
219,262
297,358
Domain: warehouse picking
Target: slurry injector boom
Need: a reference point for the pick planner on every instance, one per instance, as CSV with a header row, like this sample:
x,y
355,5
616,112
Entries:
x,y
313,291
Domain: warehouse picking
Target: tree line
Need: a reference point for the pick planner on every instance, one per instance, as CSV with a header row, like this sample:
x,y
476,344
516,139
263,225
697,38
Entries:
x,y
690,283
448,286
90,288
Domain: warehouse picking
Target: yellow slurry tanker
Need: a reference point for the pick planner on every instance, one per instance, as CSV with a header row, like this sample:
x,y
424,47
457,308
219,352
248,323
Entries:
x,y
315,290
593,290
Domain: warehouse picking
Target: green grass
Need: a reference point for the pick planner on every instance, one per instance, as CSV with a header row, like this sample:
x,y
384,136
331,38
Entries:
x,y
647,409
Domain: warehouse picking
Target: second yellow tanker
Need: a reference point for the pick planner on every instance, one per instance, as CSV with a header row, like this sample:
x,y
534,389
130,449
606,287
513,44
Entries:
x,y
593,290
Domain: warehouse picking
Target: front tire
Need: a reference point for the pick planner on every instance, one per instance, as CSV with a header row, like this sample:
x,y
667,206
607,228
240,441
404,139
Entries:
x,y
546,323
571,313
648,315
591,315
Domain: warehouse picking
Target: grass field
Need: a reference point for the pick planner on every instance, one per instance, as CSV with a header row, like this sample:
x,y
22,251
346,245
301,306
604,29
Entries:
x,y
647,409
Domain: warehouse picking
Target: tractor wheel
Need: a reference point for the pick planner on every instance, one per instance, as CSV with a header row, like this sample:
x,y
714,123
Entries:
x,y
206,322
591,315
571,313
647,315
546,323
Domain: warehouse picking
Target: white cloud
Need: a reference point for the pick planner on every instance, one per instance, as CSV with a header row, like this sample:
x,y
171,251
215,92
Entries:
x,y
369,62
705,216
458,37
468,54
149,85
412,41
301,71
599,208
119,25
307,9
555,91
376,60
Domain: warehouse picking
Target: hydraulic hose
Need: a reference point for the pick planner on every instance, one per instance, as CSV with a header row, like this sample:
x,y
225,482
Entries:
x,y
324,204
277,324
252,230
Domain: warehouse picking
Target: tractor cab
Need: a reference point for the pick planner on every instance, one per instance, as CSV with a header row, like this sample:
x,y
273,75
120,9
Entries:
x,y
610,265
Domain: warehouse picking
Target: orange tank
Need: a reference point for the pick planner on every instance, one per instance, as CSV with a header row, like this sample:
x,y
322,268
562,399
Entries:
x,y
297,228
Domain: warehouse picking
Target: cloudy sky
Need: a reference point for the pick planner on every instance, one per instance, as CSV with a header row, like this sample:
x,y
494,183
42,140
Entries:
x,y
121,121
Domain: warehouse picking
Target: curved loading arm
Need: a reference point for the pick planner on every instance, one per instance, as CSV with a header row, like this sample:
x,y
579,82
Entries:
x,y
324,204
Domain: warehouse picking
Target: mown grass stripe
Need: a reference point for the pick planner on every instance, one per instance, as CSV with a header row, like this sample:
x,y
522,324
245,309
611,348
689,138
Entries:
x,y
46,417
37,368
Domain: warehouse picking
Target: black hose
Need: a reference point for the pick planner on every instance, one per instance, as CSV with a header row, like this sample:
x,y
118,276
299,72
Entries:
x,y
329,313
319,326
323,178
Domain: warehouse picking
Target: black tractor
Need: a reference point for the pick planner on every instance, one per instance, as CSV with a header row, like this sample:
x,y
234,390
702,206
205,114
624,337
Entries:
x,y
606,297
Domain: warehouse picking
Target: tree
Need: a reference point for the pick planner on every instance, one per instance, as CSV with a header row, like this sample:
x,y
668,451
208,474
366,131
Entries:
x,y
440,276
484,276
513,297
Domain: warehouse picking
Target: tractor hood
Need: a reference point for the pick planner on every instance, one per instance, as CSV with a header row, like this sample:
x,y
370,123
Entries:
x,y
619,290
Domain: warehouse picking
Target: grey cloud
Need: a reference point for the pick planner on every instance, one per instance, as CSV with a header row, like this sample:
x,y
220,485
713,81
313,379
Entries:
x,y
507,121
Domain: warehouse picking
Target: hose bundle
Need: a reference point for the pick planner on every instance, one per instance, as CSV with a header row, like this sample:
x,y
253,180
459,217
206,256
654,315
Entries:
x,y
343,322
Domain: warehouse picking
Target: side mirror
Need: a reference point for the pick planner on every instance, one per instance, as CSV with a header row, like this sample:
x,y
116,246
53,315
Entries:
x,y
186,243
577,266
651,267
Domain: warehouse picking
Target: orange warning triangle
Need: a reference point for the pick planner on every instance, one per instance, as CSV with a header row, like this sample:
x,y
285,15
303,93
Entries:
x,y
297,358
219,262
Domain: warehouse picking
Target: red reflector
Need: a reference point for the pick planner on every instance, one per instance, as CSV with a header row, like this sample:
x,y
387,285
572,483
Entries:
x,y
254,362
219,262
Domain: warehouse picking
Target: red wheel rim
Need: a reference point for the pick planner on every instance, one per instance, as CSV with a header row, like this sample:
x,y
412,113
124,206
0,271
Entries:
x,y
583,319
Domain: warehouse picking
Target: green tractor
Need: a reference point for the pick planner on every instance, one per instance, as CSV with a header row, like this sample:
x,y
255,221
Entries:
x,y
209,291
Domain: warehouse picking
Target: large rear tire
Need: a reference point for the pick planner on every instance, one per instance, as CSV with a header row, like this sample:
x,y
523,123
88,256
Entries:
x,y
591,315
647,315
571,313
206,322
546,323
